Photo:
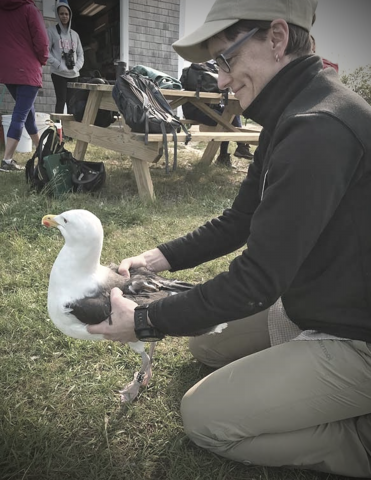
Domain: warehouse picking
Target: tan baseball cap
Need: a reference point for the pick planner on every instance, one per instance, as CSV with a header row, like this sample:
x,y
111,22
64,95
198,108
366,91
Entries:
x,y
225,13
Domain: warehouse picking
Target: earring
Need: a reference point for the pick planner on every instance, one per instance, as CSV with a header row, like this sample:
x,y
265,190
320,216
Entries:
x,y
277,57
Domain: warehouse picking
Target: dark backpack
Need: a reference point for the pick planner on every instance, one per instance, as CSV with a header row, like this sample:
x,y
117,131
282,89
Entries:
x,y
77,104
146,110
201,77
53,166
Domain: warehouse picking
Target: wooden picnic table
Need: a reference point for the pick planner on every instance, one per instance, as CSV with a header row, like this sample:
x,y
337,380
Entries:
x,y
125,141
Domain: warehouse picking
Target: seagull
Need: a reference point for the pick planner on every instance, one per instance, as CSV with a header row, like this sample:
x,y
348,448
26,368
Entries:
x,y
79,287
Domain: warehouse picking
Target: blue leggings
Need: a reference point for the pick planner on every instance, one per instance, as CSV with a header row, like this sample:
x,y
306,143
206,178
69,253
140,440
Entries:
x,y
24,110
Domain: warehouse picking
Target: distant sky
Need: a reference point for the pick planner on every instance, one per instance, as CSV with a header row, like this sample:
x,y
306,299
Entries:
x,y
342,29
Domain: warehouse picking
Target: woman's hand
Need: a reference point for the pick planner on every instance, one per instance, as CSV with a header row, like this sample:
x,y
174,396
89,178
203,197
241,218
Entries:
x,y
122,316
153,259
131,262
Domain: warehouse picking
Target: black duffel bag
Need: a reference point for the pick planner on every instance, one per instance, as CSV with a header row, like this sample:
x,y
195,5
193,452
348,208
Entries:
x,y
77,104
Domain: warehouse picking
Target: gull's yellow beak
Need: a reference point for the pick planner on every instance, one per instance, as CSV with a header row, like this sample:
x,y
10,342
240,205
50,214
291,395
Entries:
x,y
48,221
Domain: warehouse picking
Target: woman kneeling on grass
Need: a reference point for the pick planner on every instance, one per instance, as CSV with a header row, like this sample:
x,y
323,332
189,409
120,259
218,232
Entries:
x,y
293,379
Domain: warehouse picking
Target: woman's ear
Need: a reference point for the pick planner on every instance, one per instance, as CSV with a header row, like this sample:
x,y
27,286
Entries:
x,y
279,32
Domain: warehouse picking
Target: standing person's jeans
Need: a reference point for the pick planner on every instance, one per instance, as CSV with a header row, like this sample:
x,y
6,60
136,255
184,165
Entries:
x,y
24,110
62,93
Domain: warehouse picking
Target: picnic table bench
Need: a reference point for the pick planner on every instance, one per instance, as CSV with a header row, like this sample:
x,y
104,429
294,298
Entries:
x,y
124,140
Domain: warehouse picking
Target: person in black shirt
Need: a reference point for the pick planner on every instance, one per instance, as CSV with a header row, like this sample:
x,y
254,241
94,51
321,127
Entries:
x,y
293,381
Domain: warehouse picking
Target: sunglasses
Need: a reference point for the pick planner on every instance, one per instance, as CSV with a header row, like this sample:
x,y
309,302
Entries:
x,y
221,59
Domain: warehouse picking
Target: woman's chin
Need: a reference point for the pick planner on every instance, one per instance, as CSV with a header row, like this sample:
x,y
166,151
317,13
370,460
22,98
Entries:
x,y
244,104
245,100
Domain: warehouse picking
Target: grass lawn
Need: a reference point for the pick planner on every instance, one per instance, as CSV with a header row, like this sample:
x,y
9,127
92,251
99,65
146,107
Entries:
x,y
60,415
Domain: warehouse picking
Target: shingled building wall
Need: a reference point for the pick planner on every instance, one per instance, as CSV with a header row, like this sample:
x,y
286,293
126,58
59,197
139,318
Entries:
x,y
153,27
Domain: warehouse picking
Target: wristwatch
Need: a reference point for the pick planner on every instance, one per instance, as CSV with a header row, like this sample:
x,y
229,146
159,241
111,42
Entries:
x,y
143,330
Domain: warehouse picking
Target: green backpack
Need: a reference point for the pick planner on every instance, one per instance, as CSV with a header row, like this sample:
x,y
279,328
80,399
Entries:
x,y
161,79
49,144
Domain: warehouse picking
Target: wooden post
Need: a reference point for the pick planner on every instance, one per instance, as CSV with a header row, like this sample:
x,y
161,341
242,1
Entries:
x,y
143,179
90,114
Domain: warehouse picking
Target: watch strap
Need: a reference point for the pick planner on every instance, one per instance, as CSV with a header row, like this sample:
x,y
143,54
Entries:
x,y
143,330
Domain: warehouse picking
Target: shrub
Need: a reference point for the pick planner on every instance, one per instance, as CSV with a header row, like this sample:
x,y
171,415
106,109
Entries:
x,y
360,82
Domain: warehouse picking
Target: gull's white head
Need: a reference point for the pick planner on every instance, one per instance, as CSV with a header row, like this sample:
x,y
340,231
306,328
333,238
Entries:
x,y
78,227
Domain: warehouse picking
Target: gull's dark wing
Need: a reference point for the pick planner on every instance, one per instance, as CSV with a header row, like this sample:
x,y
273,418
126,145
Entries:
x,y
142,287
93,309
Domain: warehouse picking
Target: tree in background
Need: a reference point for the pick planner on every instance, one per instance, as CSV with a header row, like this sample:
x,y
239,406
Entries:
x,y
360,82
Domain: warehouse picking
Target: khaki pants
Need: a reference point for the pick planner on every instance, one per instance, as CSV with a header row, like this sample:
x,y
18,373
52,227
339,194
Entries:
x,y
301,404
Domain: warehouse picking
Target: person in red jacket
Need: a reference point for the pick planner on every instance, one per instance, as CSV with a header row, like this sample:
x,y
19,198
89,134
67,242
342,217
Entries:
x,y
24,49
326,63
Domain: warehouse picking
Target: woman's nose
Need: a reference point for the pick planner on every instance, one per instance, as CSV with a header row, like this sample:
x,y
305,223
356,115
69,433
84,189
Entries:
x,y
223,79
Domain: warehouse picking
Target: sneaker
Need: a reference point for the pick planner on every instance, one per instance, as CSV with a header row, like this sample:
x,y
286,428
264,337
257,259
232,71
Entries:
x,y
10,167
225,160
243,151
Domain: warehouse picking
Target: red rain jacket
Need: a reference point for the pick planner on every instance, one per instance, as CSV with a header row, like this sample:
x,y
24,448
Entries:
x,y
23,43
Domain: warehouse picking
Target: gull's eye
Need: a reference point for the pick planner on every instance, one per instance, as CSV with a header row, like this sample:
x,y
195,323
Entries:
x,y
65,221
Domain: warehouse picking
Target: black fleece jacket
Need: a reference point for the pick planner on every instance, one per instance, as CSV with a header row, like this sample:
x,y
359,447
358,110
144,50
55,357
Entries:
x,y
303,212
